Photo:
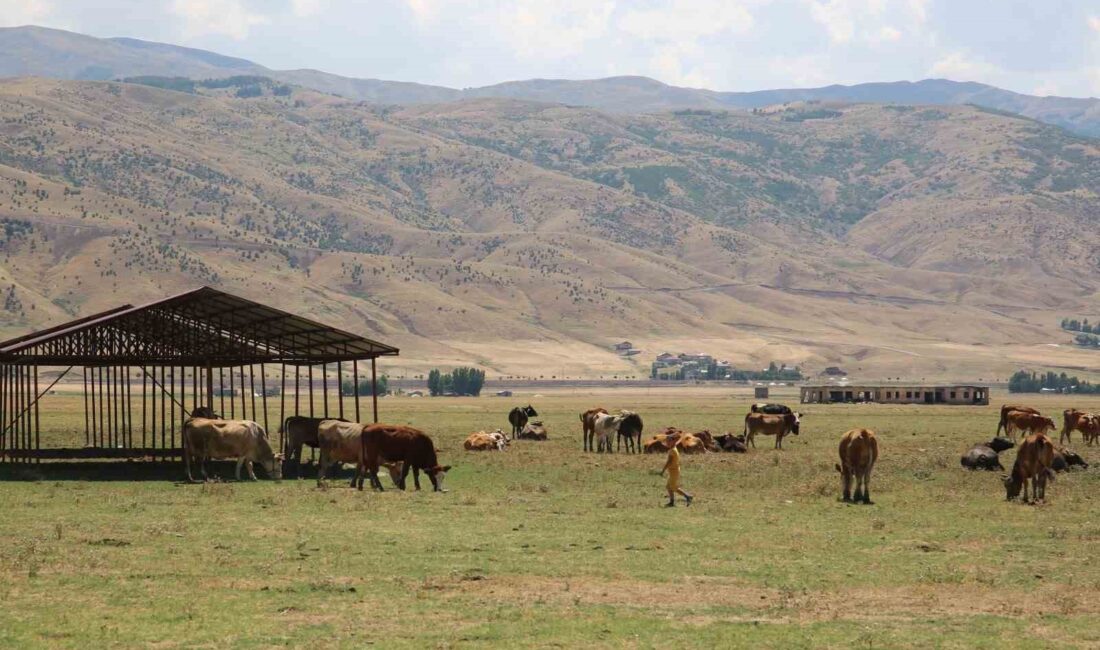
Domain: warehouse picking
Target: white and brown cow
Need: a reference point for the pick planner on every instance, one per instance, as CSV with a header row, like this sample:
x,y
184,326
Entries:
x,y
245,440
340,443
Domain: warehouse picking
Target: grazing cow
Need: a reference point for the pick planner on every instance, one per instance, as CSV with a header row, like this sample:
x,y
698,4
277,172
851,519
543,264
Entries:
x,y
1028,423
518,417
1002,424
981,457
1087,423
486,441
588,426
393,442
732,443
300,430
533,430
858,453
770,425
1033,463
607,425
339,442
245,440
1065,459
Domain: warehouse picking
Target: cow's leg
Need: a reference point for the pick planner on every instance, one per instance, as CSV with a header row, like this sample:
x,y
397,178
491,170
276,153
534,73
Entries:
x,y
240,461
405,474
321,468
846,484
416,478
867,487
251,471
187,463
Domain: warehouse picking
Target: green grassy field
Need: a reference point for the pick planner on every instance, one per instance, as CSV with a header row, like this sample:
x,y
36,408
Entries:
x,y
543,545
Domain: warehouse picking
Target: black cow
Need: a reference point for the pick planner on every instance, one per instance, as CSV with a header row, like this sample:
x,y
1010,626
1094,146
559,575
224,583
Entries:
x,y
981,457
731,443
518,417
1065,459
1000,444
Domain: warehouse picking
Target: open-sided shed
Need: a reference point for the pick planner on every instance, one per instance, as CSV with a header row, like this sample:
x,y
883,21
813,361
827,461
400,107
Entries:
x,y
199,348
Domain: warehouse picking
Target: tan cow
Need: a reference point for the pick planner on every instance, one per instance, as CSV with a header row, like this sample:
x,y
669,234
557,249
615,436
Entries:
x,y
770,425
858,453
340,442
1028,423
245,440
486,441
1033,463
1087,423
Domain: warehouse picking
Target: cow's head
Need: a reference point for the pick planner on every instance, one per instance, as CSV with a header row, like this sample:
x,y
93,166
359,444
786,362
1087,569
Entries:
x,y
530,411
1000,444
1048,425
394,469
437,474
274,466
1012,487
794,421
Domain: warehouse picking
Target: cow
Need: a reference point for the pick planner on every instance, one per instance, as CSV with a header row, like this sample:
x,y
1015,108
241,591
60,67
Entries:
x,y
533,430
999,444
300,431
339,442
1002,424
858,453
731,442
708,440
486,441
689,443
588,426
518,417
607,425
1028,423
245,440
396,442
1033,463
770,425
1087,423
981,456
1064,459
770,409
630,429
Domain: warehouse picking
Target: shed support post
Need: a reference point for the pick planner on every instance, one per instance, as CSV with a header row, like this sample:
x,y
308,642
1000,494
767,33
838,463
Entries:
x,y
355,382
374,386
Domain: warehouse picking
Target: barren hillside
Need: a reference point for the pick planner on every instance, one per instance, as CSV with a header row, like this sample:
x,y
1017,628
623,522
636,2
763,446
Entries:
x,y
903,241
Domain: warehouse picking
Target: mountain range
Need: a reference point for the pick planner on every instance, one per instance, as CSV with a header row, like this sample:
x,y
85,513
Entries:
x,y
38,51
926,242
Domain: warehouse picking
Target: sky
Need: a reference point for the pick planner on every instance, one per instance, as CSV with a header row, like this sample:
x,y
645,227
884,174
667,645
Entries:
x,y
1031,46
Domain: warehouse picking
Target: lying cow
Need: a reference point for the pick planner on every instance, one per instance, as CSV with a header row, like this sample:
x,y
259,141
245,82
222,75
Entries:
x,y
732,443
245,440
690,443
858,453
1064,459
981,457
340,442
533,430
486,441
1033,463
770,425
399,443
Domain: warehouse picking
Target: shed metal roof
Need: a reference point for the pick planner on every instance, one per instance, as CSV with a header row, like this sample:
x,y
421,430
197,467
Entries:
x,y
201,327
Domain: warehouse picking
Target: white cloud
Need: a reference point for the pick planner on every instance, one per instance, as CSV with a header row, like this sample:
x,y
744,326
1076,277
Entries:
x,y
1094,23
553,29
686,20
961,66
302,8
869,21
15,13
799,71
226,17
885,34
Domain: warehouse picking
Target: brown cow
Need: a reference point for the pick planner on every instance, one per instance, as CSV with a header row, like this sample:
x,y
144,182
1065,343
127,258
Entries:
x,y
1033,463
858,453
486,441
588,425
770,425
1005,409
397,442
1087,423
663,441
339,442
245,440
1029,423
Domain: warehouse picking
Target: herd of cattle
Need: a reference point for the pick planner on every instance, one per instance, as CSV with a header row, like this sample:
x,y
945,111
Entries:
x,y
404,449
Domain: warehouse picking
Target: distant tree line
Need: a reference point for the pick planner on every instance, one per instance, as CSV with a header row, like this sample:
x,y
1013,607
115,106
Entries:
x,y
1074,325
460,381
347,386
1031,382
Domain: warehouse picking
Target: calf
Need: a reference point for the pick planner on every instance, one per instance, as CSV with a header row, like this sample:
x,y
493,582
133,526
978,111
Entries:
x,y
588,426
399,443
770,425
1002,424
858,453
1033,463
245,440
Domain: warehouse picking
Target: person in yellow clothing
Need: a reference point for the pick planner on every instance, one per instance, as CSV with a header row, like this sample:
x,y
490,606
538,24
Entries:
x,y
672,466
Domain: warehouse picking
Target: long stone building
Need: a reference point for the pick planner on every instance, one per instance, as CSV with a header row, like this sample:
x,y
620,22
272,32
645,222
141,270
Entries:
x,y
895,394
